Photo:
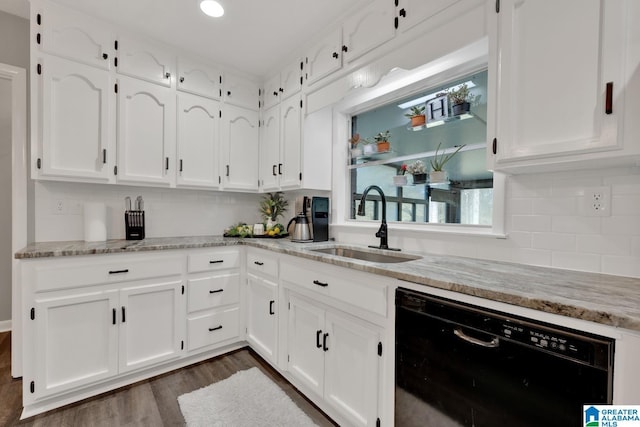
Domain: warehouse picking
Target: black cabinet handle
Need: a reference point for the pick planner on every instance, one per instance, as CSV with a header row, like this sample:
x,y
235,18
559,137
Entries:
x,y
105,56
181,79
403,13
180,165
319,283
126,270
215,291
258,262
318,333
113,316
324,342
608,106
167,75
166,163
279,168
335,55
273,170
271,303
228,93
227,170
124,317
216,261
344,48
215,329
104,156
275,93
281,90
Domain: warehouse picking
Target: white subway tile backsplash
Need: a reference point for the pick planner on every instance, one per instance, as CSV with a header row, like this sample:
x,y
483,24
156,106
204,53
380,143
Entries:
x,y
621,265
604,244
621,225
576,224
626,204
519,206
531,222
575,261
556,206
554,241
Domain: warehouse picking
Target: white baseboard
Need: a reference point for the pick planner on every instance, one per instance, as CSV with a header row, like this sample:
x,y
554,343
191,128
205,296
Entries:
x,y
5,325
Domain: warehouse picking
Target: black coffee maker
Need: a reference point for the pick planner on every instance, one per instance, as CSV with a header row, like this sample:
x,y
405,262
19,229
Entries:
x,y
320,218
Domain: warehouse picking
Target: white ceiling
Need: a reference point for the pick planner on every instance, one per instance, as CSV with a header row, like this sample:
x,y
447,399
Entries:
x,y
254,36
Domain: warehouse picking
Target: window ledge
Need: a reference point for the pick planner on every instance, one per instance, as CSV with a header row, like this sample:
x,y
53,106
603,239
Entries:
x,y
451,229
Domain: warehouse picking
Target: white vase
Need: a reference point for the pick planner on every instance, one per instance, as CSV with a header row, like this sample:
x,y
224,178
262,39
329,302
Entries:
x,y
399,180
270,223
437,177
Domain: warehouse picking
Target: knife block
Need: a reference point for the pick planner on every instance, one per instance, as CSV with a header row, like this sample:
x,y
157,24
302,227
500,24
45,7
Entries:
x,y
134,225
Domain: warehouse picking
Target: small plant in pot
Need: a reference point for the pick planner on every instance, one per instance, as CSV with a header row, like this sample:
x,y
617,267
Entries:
x,y
419,172
353,145
381,140
438,175
273,206
417,116
460,99
400,179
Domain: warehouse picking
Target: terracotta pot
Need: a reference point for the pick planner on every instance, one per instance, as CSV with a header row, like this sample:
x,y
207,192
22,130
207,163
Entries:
x,y
418,120
383,146
419,178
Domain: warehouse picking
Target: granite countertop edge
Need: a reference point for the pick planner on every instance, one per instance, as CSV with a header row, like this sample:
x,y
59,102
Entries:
x,y
600,298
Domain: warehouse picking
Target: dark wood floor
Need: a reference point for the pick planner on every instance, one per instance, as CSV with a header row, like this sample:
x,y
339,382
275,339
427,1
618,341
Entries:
x,y
153,402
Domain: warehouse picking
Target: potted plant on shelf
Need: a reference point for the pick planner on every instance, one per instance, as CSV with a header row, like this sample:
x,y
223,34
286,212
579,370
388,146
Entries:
x,y
438,175
381,140
353,145
419,172
272,206
417,116
400,179
460,99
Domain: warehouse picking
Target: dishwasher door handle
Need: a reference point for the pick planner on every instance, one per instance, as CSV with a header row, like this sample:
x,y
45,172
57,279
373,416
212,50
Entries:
x,y
495,342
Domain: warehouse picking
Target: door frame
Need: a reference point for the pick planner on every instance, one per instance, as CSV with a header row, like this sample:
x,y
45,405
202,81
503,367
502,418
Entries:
x,y
19,219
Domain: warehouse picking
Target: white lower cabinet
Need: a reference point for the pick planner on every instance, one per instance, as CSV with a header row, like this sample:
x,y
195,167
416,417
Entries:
x,y
336,356
262,319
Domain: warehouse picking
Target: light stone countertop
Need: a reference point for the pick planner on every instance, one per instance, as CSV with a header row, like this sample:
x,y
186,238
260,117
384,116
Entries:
x,y
600,298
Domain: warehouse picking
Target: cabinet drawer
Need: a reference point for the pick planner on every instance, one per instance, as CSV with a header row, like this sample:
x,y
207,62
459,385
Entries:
x,y
213,328
262,262
213,260
213,291
95,270
362,290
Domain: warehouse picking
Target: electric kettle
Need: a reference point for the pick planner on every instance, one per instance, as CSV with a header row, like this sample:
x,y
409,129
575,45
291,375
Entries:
x,y
301,231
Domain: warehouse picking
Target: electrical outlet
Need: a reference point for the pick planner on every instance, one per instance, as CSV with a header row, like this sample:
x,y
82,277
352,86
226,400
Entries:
x,y
597,201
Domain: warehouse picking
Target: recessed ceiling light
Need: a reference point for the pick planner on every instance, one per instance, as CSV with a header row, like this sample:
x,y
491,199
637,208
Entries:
x,y
211,8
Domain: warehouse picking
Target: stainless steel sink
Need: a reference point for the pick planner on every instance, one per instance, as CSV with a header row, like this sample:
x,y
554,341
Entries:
x,y
380,256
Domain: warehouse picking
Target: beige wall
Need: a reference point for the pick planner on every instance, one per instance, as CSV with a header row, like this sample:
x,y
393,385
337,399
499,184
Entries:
x,y
14,50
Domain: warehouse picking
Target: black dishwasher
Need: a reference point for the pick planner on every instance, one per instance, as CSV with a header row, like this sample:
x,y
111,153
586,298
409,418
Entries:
x,y
462,365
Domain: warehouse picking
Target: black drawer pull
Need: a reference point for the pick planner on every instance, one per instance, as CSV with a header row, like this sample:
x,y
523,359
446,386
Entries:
x,y
318,343
324,342
215,329
126,270
271,303
124,317
319,283
258,263
113,319
217,261
215,291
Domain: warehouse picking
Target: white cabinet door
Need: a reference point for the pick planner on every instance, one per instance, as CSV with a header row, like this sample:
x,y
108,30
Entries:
x,y
199,79
324,58
151,322
239,142
72,35
368,29
262,317
144,60
270,149
146,132
352,369
76,341
290,143
241,92
198,141
413,12
305,334
556,60
291,79
77,107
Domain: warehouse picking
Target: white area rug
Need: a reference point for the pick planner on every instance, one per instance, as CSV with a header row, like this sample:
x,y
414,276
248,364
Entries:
x,y
245,399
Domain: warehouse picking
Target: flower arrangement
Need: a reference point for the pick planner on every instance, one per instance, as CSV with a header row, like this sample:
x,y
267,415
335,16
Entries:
x,y
402,170
273,205
417,168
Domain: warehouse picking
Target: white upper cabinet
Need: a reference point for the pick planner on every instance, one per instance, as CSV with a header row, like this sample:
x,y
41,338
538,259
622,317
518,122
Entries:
x,y
413,12
284,84
240,91
72,35
239,147
145,60
200,79
270,149
146,132
368,29
324,58
560,80
290,143
76,106
198,141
